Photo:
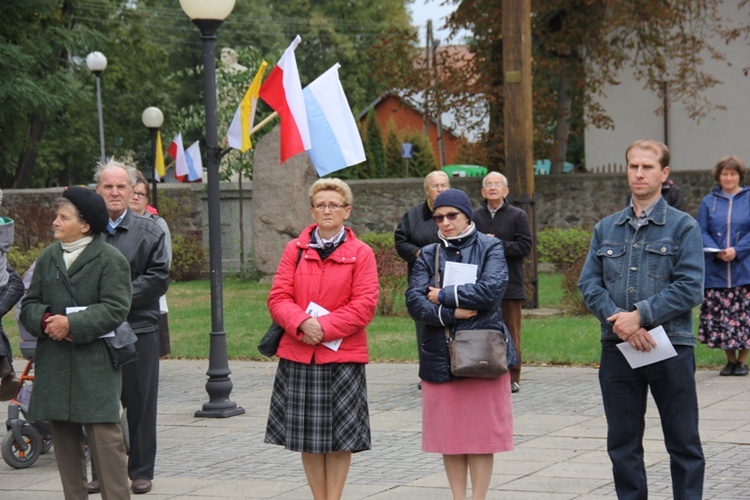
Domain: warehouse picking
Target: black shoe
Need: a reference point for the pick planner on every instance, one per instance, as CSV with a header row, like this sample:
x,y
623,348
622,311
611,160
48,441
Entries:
x,y
419,385
740,370
514,387
729,369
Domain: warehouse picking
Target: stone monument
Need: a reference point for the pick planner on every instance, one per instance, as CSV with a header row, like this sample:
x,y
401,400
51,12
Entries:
x,y
280,205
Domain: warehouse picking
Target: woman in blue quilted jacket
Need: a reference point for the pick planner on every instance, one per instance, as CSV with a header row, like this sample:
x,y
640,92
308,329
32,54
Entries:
x,y
467,420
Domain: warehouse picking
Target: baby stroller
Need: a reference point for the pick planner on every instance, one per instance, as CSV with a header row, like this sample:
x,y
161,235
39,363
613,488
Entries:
x,y
25,440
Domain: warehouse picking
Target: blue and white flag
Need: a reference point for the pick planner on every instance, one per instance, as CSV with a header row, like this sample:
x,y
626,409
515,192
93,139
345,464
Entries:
x,y
335,139
194,162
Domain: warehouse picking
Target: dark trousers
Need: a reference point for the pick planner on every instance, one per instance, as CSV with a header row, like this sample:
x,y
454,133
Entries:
x,y
624,392
140,384
512,318
107,455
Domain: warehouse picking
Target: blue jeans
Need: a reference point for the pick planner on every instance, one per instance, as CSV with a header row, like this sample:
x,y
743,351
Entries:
x,y
624,393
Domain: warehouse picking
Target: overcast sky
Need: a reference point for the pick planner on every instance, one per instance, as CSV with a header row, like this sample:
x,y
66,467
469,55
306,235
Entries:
x,y
422,10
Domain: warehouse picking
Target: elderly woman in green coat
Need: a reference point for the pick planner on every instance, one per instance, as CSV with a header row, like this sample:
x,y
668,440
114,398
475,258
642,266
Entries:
x,y
76,387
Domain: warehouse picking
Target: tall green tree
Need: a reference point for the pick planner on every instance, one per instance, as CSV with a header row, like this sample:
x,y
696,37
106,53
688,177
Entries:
x,y
374,152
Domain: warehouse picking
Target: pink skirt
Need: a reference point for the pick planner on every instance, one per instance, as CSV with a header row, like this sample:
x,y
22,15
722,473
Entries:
x,y
468,416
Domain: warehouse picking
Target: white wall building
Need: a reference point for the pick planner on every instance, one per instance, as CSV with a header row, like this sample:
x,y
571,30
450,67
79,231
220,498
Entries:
x,y
694,146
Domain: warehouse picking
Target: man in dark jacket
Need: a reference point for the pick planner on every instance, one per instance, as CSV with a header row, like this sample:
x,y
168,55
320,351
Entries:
x,y
141,241
511,225
417,229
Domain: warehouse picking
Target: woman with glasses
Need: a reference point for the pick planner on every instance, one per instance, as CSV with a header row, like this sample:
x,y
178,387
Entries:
x,y
139,204
324,294
467,420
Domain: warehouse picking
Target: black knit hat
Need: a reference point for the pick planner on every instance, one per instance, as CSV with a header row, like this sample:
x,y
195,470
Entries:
x,y
90,205
454,198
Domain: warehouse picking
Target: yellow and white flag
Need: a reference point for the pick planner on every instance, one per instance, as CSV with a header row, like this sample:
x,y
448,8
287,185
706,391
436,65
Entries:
x,y
238,135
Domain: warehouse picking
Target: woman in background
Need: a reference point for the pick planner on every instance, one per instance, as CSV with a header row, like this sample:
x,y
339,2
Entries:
x,y
724,218
139,204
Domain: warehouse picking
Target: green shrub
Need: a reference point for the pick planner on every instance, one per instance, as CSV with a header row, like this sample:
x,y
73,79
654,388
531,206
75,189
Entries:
x,y
563,247
188,258
21,259
391,271
566,249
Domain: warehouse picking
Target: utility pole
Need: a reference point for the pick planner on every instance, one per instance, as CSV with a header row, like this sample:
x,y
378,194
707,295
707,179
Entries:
x,y
427,56
438,111
517,114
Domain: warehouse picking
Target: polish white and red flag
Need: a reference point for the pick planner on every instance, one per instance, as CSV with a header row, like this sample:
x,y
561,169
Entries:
x,y
282,90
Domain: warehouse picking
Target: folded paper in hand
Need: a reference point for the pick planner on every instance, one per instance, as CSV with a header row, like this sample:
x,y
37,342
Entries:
x,y
663,350
316,311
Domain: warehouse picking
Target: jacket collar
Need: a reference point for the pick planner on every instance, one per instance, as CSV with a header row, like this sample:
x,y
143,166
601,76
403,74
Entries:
x,y
658,214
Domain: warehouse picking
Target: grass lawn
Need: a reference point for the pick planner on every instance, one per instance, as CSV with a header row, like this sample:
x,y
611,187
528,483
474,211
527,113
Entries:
x,y
557,340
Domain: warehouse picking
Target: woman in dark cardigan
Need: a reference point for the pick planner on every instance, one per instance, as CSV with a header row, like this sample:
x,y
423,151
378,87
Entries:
x,y
76,387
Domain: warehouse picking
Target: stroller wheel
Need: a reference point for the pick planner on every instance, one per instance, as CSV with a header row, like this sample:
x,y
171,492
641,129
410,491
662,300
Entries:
x,y
15,456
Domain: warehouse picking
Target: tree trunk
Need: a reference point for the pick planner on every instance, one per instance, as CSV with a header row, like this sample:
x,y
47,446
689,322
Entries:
x,y
562,130
27,161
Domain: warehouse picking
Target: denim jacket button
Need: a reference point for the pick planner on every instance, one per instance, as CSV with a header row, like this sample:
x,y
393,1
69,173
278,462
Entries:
x,y
633,268
663,249
636,245
609,252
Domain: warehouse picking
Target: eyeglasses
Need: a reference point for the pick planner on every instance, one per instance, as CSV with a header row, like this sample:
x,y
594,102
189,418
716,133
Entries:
x,y
451,217
494,184
136,194
333,207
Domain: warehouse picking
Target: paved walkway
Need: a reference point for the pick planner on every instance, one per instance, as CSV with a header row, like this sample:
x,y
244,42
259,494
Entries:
x,y
559,434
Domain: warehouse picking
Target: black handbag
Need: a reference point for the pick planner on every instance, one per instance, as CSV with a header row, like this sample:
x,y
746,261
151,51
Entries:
x,y
269,344
475,353
121,347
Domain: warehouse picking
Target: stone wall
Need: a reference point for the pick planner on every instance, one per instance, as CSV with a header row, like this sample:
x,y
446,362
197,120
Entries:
x,y
276,207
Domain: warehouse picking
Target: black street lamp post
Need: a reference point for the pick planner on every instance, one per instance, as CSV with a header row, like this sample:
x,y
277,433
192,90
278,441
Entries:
x,y
153,119
208,16
97,63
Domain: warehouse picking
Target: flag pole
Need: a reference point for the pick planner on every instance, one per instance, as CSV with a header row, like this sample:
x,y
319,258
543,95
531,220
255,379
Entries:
x,y
264,122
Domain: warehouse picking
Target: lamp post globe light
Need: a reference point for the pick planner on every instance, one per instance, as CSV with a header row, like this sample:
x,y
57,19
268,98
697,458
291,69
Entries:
x,y
97,63
153,118
208,16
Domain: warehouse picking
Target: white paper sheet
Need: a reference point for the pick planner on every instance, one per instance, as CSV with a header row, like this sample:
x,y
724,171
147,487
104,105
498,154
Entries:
x,y
663,350
711,250
457,273
71,310
316,311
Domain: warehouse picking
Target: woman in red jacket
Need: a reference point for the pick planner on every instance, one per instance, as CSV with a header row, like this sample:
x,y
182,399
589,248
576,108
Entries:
x,y
324,294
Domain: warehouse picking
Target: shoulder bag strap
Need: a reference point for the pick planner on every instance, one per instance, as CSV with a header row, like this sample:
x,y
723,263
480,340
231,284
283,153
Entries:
x,y
64,278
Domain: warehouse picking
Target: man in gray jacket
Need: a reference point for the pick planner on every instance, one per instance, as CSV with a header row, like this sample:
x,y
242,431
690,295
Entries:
x,y
141,241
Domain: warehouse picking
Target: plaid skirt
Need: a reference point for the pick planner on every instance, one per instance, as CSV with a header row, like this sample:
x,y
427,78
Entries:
x,y
319,408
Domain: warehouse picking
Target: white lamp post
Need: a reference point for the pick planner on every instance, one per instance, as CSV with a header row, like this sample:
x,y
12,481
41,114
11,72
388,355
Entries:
x,y
97,63
153,119
208,16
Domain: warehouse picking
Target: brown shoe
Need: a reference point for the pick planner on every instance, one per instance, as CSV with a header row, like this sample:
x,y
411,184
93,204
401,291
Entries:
x,y
93,487
141,486
9,387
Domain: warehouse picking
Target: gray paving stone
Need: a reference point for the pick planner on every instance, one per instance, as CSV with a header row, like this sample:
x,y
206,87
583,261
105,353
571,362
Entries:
x,y
560,441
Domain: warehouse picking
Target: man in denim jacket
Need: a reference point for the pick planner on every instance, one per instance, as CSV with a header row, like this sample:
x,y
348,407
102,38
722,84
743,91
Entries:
x,y
645,269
